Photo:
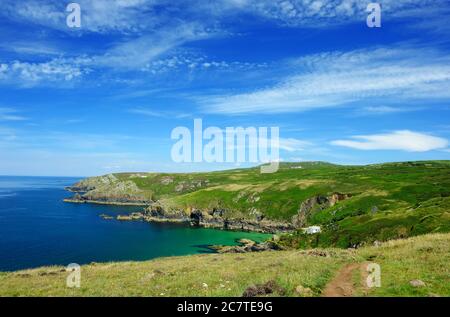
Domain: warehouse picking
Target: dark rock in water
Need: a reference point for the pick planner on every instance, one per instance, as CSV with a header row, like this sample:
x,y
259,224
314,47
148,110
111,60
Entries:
x,y
270,287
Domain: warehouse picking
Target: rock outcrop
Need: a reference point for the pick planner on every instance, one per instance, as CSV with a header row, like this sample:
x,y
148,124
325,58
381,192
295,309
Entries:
x,y
246,246
315,204
119,190
107,189
269,288
214,218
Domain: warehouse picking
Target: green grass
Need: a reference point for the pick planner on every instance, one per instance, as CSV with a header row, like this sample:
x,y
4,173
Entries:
x,y
388,200
425,258
409,201
431,216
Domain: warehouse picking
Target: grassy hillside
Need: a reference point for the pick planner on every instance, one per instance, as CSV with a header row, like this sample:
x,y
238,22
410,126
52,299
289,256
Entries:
x,y
294,273
352,204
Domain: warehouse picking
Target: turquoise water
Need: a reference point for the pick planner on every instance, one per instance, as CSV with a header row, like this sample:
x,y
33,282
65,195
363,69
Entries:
x,y
37,228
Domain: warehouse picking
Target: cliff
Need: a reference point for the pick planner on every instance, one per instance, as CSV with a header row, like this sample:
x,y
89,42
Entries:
x,y
351,204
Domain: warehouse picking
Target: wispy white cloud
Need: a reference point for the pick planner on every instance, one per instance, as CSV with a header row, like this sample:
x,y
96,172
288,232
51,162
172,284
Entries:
x,y
10,114
143,53
433,19
137,16
48,13
404,140
29,74
285,144
31,48
195,62
57,153
158,114
3,71
320,13
7,134
139,52
150,34
97,16
336,78
384,110
293,145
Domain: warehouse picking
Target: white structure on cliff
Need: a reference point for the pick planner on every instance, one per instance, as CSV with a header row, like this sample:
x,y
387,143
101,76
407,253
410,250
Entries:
x,y
311,230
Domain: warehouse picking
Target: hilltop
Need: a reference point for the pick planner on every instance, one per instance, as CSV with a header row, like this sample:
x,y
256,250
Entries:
x,y
353,205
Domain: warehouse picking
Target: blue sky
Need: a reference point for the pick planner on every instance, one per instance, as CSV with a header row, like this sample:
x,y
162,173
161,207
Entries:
x,y
105,97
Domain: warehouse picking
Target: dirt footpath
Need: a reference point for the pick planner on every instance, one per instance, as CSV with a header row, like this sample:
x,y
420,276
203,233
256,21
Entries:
x,y
343,285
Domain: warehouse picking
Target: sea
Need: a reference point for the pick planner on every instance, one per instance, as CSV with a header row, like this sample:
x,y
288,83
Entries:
x,y
38,229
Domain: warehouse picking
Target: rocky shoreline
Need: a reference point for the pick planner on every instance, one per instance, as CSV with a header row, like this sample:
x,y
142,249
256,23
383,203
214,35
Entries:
x,y
244,245
155,212
103,202
215,219
198,220
109,190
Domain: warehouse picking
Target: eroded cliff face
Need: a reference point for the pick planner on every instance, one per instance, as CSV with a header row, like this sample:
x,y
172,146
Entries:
x,y
314,204
108,189
214,218
91,183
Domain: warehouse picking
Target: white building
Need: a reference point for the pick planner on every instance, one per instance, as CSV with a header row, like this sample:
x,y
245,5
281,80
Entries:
x,y
311,230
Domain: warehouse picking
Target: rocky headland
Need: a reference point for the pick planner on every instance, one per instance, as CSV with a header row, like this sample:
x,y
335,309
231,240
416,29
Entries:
x,y
111,190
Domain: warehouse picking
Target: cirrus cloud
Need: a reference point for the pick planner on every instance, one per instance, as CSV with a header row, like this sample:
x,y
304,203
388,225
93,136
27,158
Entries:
x,y
403,140
334,79
10,114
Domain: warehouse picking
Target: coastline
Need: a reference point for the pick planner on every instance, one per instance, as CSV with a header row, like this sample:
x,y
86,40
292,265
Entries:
x,y
195,219
96,240
100,202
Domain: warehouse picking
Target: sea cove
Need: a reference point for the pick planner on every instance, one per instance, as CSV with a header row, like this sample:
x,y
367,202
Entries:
x,y
37,228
